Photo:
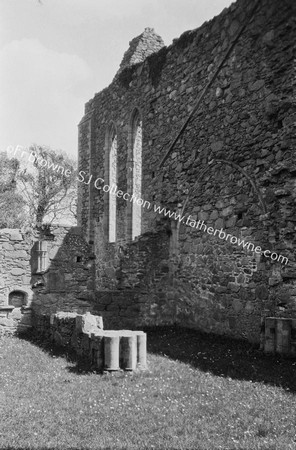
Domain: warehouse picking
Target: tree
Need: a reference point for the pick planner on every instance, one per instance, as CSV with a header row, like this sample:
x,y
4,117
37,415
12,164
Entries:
x,y
49,185
12,211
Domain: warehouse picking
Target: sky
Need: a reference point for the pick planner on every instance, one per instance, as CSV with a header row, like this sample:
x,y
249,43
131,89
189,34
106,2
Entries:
x,y
56,54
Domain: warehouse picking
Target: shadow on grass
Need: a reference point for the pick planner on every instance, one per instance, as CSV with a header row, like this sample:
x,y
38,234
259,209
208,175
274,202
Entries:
x,y
220,355
223,356
77,365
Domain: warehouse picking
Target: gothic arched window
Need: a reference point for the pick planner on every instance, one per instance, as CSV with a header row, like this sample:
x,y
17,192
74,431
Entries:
x,y
112,180
136,174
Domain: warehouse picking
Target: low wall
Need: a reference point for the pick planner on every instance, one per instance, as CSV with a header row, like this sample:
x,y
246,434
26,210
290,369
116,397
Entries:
x,y
15,320
98,349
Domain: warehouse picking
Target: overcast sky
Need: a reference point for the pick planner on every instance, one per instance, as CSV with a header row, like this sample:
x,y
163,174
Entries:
x,y
55,55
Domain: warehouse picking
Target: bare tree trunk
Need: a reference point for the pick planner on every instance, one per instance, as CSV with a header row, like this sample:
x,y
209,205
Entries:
x,y
40,214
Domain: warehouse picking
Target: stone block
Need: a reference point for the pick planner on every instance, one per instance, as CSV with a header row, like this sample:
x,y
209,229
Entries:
x,y
256,86
268,37
17,271
231,222
203,215
5,322
110,273
237,305
99,320
227,211
19,254
7,246
15,314
26,280
214,215
88,323
16,236
249,307
217,146
234,27
219,223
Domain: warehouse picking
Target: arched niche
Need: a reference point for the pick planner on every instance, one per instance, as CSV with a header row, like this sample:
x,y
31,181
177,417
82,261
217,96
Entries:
x,y
17,298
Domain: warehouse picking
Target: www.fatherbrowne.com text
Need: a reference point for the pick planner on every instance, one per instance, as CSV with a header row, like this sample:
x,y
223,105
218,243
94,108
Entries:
x,y
186,219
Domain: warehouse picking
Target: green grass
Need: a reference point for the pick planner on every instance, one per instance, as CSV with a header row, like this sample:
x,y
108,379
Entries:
x,y
200,392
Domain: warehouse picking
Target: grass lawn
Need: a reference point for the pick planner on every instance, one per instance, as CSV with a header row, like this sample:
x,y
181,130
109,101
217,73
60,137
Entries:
x,y
200,392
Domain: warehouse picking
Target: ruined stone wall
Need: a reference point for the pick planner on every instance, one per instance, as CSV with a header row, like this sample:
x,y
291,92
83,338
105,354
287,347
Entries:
x,y
141,47
67,282
84,338
43,279
233,168
15,278
132,284
83,201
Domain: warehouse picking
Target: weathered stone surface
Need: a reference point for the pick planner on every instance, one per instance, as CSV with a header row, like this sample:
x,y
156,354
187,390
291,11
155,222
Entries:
x,y
88,323
15,236
268,37
5,322
257,85
61,287
15,314
216,146
6,246
78,332
140,47
173,273
17,271
55,281
19,254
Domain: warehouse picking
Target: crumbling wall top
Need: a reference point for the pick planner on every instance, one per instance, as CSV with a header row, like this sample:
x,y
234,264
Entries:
x,y
140,47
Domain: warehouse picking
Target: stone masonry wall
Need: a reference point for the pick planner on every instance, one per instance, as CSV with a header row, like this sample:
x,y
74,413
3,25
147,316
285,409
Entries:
x,y
15,276
140,47
233,168
27,290
133,282
67,283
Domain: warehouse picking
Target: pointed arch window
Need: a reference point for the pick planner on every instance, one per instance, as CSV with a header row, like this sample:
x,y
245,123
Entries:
x,y
136,174
112,180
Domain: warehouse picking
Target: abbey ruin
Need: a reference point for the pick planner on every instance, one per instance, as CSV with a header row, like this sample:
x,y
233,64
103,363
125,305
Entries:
x,y
226,159
187,188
